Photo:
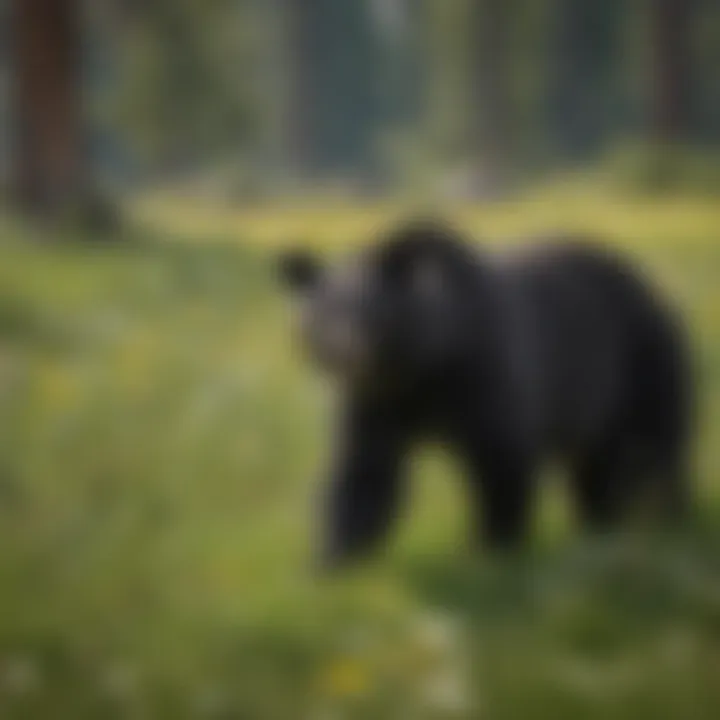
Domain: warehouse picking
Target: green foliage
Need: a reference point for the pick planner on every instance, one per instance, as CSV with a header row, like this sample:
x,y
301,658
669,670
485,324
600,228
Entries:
x,y
652,168
159,443
197,83
185,89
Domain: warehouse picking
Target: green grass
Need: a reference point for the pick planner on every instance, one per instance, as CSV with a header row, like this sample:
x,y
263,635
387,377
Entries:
x,y
159,452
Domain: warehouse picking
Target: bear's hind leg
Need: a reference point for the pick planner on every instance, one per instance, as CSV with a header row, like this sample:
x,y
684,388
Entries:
x,y
600,483
665,486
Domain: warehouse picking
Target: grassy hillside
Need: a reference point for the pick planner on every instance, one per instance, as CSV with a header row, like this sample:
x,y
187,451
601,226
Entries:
x,y
159,446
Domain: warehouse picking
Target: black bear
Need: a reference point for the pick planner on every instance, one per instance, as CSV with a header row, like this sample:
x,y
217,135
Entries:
x,y
560,350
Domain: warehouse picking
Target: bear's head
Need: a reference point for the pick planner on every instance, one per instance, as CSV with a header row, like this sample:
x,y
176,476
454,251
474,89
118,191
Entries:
x,y
390,313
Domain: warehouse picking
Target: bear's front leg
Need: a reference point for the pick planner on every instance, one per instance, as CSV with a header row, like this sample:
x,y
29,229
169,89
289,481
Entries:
x,y
364,491
502,486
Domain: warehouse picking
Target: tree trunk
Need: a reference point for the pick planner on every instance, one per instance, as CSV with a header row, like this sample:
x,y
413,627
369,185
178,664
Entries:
x,y
50,169
579,96
490,92
670,28
301,21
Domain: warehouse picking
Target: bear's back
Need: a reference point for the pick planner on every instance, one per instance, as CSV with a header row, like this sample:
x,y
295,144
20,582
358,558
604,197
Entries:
x,y
576,309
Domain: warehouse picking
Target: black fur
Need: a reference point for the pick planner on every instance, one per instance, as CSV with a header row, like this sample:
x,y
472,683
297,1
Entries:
x,y
558,351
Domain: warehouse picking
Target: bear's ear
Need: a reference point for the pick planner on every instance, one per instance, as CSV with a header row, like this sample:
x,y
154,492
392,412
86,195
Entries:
x,y
298,270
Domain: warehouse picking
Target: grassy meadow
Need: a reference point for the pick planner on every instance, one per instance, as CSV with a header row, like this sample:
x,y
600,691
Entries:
x,y
159,452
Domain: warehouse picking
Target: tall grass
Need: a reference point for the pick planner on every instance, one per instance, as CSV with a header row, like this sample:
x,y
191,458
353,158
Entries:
x,y
159,449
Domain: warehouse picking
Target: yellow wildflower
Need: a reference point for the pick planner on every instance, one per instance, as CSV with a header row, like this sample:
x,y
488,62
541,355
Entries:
x,y
56,386
343,678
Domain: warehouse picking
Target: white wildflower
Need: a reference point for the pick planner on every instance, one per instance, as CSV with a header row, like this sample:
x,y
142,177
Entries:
x,y
121,681
19,675
447,692
211,702
440,633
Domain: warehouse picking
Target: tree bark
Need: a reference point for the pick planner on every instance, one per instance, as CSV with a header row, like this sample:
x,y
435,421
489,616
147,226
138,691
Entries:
x,y
579,94
670,28
50,164
489,92
301,24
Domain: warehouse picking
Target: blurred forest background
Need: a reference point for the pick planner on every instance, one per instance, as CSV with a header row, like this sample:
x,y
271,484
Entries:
x,y
255,98
159,439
